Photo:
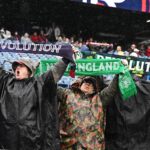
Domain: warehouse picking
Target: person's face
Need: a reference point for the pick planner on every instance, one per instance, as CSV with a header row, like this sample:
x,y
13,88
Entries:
x,y
133,46
35,33
16,33
119,48
26,35
22,72
87,87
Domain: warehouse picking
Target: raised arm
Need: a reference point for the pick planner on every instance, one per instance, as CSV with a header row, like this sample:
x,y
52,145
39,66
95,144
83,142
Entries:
x,y
109,92
3,78
56,72
2,72
1,69
59,69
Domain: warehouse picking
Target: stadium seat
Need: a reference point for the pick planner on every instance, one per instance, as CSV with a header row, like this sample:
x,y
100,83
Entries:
x,y
7,57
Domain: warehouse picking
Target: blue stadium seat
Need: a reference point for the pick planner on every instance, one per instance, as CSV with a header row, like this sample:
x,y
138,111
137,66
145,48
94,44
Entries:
x,y
7,57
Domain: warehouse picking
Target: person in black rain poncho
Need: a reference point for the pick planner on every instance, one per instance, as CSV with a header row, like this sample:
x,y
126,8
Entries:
x,y
28,107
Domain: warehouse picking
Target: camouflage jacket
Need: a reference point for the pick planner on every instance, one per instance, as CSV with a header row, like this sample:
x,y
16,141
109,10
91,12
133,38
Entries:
x,y
82,117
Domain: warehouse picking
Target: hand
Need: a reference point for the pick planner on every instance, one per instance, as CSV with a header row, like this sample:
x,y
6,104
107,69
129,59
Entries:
x,y
63,133
75,49
124,62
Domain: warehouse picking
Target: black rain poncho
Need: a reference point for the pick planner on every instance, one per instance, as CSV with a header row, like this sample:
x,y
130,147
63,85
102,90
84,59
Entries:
x,y
128,122
28,111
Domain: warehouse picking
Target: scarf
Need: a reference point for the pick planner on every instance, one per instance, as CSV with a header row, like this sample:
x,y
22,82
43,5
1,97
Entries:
x,y
96,67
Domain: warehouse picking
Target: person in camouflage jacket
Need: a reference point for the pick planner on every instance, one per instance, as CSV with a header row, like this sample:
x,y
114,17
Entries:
x,y
82,114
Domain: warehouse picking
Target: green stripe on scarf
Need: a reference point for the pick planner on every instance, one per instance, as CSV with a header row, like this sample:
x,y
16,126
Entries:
x,y
96,67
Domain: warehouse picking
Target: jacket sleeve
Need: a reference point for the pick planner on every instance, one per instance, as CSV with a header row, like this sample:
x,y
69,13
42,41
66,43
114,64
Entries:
x,y
109,92
61,94
2,72
3,77
56,72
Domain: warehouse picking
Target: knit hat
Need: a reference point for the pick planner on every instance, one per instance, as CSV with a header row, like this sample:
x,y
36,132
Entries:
x,y
91,80
30,64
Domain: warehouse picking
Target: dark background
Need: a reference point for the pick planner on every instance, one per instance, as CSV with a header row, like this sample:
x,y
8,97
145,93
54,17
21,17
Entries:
x,y
82,20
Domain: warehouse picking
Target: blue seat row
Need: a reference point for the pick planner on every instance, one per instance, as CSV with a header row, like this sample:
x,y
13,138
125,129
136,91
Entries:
x,y
7,57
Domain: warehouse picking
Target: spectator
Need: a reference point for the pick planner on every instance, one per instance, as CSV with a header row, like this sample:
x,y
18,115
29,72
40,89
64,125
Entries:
x,y
57,31
119,51
7,36
136,73
84,47
2,31
148,51
130,50
82,114
143,51
42,37
60,39
110,49
16,37
135,53
35,38
28,116
25,39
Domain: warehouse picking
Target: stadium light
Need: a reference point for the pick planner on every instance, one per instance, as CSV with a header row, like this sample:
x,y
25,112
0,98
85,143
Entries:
x,y
148,21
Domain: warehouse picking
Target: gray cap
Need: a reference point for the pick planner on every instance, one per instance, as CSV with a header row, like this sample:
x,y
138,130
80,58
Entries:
x,y
29,63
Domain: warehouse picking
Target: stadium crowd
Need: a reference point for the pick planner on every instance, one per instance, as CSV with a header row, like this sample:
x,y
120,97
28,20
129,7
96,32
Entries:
x,y
89,45
29,106
39,36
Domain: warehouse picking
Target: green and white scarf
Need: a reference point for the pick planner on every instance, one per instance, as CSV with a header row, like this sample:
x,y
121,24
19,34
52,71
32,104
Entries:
x,y
96,67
